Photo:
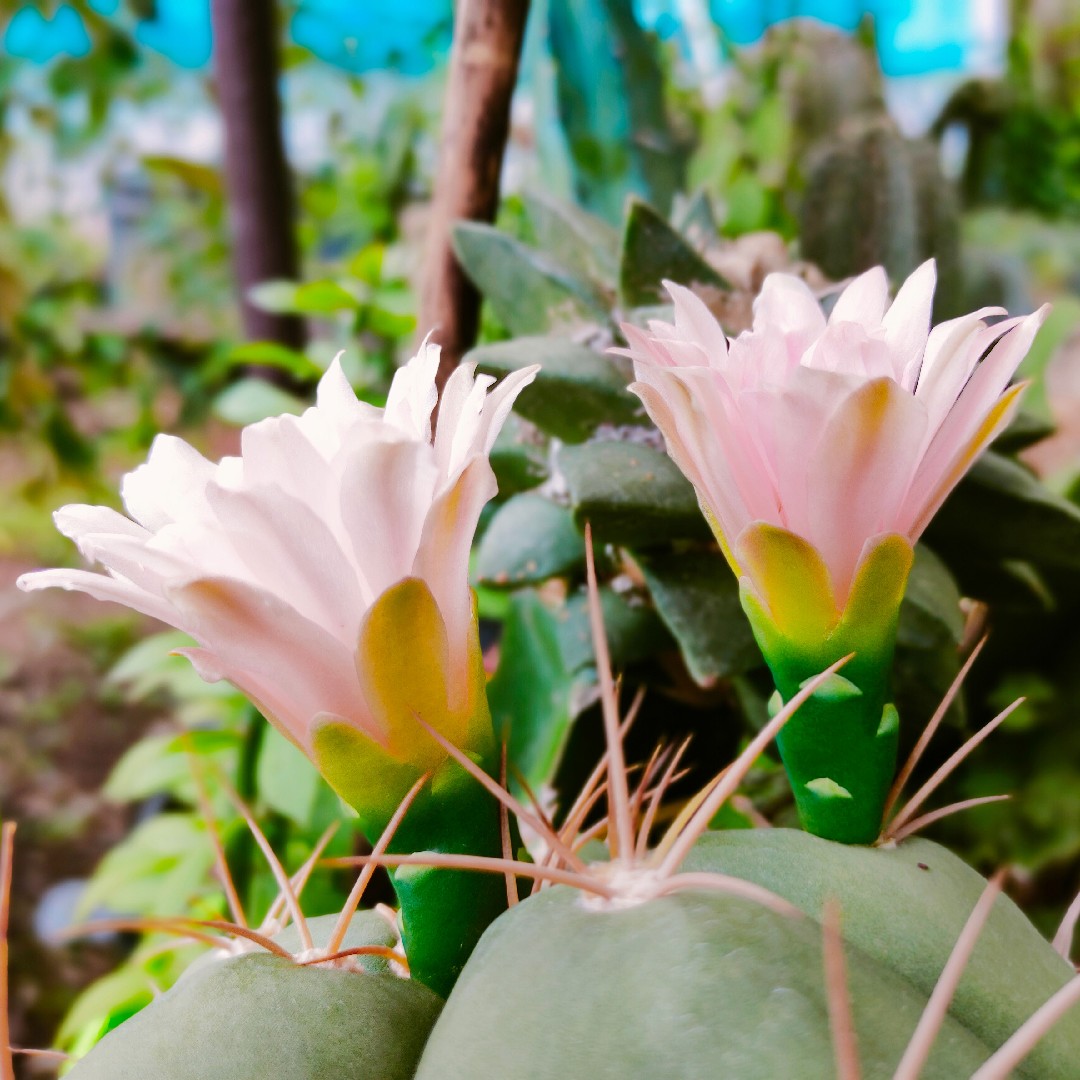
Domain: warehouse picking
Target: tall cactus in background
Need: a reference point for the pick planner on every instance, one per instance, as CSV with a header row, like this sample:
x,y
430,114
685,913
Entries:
x,y
874,197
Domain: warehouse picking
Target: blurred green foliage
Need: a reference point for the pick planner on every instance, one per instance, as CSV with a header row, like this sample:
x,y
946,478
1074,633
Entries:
x,y
1024,129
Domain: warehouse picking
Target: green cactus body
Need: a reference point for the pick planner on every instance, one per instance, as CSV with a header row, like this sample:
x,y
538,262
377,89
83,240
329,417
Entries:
x,y
860,208
874,198
684,986
257,1016
905,907
826,76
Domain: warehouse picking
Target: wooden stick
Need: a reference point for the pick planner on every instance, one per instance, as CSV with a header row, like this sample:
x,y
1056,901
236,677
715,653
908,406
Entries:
x,y
476,121
257,180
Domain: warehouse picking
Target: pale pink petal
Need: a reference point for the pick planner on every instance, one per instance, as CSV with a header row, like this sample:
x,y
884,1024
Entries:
x,y
640,346
846,347
689,444
907,322
250,629
77,520
739,464
412,396
101,587
292,552
136,560
386,492
858,472
268,695
760,359
337,409
789,424
931,488
863,301
964,422
460,409
948,361
787,305
173,478
696,323
498,406
442,561
282,452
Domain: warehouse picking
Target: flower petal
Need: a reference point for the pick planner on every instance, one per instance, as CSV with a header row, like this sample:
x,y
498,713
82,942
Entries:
x,y
695,322
173,478
252,632
863,301
907,322
385,493
442,560
859,472
101,587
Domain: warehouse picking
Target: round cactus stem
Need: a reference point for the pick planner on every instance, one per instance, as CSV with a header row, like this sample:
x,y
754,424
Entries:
x,y
839,749
444,912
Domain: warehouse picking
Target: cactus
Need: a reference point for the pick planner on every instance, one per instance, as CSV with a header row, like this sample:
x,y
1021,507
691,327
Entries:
x,y
691,985
258,1015
826,76
905,905
874,197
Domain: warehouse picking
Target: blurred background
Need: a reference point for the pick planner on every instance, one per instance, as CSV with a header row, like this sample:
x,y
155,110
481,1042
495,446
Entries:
x,y
821,136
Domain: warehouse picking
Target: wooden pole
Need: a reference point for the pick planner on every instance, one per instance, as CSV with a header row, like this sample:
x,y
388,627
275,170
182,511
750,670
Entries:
x,y
476,121
257,180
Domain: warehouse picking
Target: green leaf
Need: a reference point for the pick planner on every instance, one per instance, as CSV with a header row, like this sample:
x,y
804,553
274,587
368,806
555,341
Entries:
x,y
196,176
586,244
930,614
519,456
528,291
290,784
653,251
631,494
150,767
278,296
125,990
1000,511
576,390
697,595
323,298
249,400
530,693
609,92
1025,430
157,870
150,657
632,628
547,672
271,354
310,298
529,540
696,220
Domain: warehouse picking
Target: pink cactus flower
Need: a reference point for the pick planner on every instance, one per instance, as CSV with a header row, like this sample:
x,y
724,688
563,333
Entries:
x,y
274,561
839,430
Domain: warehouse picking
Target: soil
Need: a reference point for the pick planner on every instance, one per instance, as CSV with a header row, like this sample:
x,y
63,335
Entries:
x,y
61,731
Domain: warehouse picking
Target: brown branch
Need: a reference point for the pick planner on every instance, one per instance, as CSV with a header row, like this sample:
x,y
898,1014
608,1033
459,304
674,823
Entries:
x,y
476,121
257,180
